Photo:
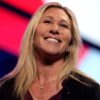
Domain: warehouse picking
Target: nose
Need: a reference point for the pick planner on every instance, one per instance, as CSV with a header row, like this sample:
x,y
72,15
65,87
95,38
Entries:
x,y
54,29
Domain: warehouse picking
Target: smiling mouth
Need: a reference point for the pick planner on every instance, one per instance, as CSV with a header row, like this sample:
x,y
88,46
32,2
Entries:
x,y
53,40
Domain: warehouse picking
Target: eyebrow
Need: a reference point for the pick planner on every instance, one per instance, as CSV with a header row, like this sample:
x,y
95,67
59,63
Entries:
x,y
47,17
65,21
52,17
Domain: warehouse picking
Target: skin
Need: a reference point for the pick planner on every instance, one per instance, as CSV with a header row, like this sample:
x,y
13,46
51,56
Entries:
x,y
51,40
53,33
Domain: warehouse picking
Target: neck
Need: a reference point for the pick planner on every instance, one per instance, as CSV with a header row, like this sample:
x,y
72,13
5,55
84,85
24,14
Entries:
x,y
49,71
48,66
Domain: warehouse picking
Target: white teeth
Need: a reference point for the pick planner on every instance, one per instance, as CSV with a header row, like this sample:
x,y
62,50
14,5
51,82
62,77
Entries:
x,y
52,40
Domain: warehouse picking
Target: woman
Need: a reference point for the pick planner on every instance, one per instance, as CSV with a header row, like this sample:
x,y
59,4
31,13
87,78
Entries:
x,y
46,66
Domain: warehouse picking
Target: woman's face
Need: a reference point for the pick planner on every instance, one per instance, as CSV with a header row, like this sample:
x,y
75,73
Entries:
x,y
53,33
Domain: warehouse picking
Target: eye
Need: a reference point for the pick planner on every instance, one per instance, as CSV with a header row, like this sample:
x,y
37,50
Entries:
x,y
64,25
47,21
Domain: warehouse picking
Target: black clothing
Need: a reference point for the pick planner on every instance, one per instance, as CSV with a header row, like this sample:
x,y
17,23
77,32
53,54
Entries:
x,y
72,90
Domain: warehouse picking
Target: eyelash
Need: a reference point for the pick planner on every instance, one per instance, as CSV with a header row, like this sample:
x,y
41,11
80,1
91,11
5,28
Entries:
x,y
64,25
47,21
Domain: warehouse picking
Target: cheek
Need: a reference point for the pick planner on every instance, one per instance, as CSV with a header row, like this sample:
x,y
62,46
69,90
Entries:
x,y
39,33
41,27
68,37
40,30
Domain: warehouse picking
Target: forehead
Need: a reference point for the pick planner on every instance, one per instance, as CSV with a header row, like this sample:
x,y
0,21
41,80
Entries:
x,y
57,12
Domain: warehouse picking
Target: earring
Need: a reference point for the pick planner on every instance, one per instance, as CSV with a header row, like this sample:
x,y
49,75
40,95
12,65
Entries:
x,y
68,49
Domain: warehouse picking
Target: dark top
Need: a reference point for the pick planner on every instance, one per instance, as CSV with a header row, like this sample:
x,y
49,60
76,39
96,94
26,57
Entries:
x,y
72,90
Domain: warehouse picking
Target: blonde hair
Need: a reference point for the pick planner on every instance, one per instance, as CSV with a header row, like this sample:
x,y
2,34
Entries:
x,y
25,70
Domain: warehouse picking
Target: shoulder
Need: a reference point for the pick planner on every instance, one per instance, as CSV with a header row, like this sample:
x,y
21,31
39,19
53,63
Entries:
x,y
82,87
83,79
7,90
7,84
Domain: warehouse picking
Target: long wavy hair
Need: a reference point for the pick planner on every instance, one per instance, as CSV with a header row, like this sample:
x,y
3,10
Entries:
x,y
26,69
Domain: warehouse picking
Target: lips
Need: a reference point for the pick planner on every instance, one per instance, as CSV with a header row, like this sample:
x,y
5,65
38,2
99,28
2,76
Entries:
x,y
53,39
